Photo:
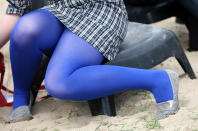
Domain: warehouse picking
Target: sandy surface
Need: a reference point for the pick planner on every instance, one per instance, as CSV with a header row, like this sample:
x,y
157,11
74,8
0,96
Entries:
x,y
135,110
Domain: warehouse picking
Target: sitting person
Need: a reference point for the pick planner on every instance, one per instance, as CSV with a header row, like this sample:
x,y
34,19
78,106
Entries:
x,y
78,36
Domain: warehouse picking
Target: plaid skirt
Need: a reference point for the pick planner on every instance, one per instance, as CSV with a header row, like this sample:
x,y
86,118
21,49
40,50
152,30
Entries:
x,y
102,23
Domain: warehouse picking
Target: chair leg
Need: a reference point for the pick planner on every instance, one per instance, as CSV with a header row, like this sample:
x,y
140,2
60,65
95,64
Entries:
x,y
183,61
95,107
193,39
108,105
192,25
101,106
38,79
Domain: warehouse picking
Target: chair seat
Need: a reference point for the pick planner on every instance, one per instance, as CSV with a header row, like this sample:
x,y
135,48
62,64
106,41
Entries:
x,y
145,46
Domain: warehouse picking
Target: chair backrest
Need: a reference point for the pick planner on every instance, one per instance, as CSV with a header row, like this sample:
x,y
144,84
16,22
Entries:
x,y
149,13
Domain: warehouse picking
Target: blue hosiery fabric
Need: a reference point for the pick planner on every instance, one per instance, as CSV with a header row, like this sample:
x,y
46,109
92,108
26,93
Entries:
x,y
33,34
74,71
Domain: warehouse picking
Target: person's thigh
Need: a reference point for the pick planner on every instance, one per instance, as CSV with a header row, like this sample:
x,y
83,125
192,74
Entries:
x,y
70,54
40,29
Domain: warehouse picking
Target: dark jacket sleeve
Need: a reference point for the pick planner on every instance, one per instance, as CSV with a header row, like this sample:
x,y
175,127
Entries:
x,y
19,7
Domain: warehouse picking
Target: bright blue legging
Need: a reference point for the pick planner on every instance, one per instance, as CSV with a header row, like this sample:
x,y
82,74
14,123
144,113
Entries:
x,y
74,71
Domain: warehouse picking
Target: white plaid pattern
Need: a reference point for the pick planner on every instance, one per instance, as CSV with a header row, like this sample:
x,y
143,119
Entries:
x,y
19,7
102,23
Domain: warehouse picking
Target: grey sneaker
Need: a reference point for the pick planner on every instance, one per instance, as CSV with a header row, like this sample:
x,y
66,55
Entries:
x,y
164,109
21,113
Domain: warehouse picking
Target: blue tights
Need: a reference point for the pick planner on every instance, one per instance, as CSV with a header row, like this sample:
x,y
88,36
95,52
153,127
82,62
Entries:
x,y
74,71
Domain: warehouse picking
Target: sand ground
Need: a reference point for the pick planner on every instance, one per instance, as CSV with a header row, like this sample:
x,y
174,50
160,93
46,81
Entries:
x,y
135,109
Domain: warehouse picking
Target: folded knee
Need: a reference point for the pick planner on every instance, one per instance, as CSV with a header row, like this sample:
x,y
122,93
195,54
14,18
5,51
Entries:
x,y
59,89
25,32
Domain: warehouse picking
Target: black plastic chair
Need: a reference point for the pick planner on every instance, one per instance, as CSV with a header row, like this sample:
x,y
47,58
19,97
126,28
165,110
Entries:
x,y
144,47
